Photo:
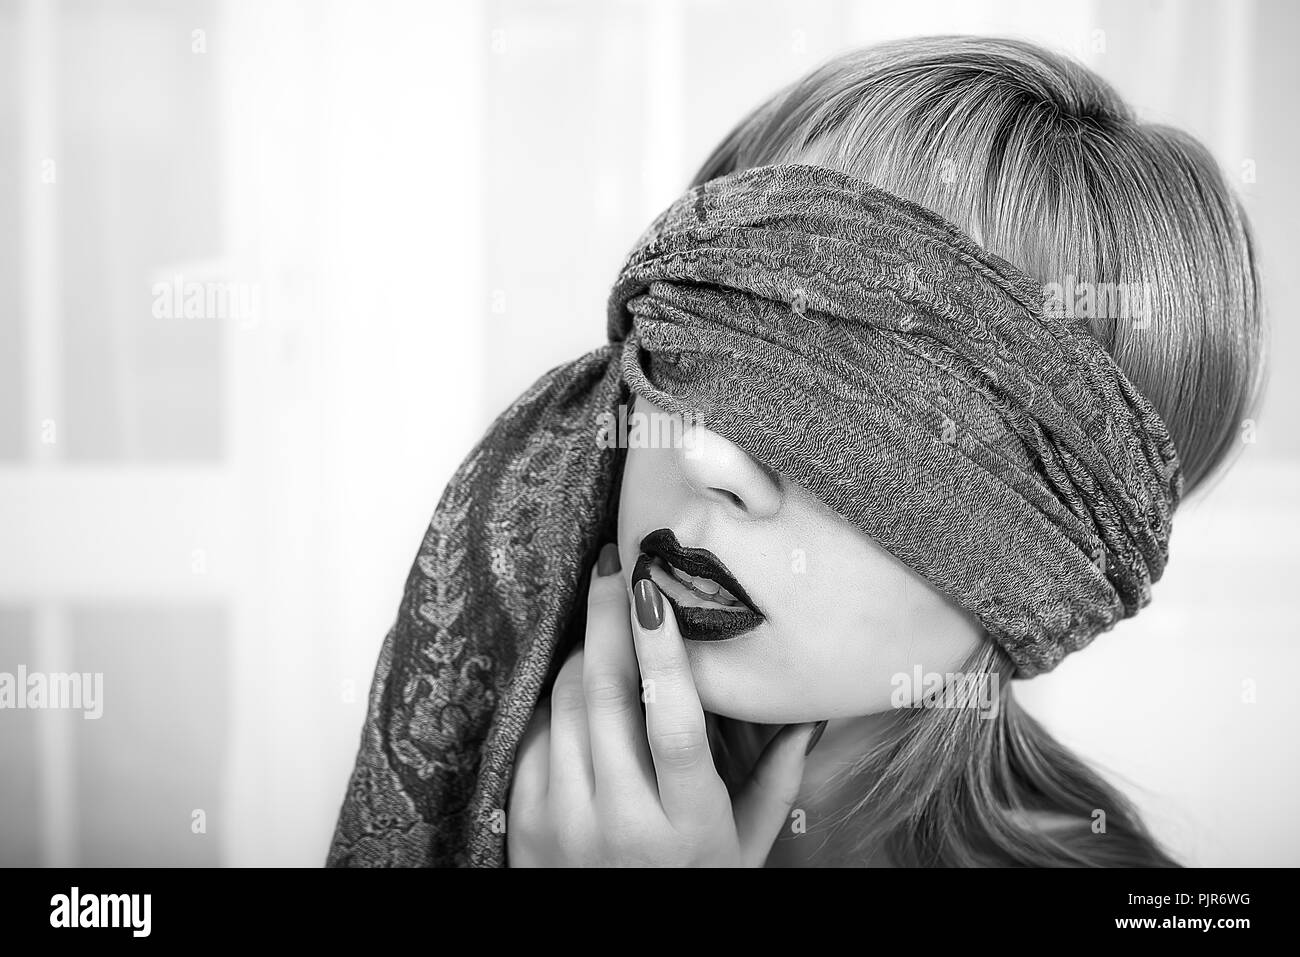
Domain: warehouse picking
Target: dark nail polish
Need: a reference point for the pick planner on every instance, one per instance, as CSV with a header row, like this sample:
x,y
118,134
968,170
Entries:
x,y
649,605
816,736
608,562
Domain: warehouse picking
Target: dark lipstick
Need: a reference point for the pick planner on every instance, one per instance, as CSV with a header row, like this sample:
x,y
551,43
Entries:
x,y
699,624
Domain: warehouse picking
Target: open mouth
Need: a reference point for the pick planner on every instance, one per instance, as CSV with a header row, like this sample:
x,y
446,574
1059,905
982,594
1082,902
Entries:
x,y
710,605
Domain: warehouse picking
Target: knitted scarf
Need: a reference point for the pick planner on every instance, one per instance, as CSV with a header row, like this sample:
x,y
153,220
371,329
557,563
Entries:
x,y
854,342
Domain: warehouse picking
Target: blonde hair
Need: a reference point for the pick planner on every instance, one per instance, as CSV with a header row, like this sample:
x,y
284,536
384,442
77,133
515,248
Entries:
x,y
1039,160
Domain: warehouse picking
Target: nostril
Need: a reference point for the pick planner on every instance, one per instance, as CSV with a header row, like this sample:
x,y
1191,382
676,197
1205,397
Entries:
x,y
732,497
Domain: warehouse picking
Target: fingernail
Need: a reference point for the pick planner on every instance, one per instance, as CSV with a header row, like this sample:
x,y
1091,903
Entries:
x,y
816,736
649,605
608,562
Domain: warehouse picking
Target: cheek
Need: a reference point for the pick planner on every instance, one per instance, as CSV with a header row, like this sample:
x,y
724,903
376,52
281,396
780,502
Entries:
x,y
642,469
649,475
848,657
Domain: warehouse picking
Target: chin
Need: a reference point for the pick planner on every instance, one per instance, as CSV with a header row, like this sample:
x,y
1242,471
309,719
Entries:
x,y
729,692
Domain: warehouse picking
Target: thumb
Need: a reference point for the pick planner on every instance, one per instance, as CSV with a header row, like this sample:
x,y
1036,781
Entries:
x,y
771,790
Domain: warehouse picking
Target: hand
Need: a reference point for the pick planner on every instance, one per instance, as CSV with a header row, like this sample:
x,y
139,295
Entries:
x,y
597,783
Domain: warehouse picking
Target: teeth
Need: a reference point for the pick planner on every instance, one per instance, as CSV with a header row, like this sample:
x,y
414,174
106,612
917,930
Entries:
x,y
705,587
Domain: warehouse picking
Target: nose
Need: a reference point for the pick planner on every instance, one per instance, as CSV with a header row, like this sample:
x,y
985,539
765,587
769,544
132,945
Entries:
x,y
721,471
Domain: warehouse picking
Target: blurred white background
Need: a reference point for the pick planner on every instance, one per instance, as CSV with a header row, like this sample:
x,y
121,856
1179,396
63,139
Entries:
x,y
422,207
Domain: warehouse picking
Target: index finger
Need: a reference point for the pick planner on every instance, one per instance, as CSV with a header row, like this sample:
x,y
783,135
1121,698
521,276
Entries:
x,y
675,727
611,683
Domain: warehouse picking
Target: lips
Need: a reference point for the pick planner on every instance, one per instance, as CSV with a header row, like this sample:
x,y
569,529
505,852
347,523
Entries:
x,y
708,601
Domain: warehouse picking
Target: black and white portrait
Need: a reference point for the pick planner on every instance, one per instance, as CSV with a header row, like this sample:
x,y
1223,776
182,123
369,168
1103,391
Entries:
x,y
654,433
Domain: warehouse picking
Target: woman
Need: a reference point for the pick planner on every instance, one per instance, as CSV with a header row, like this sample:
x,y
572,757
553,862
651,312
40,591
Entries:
x,y
940,338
